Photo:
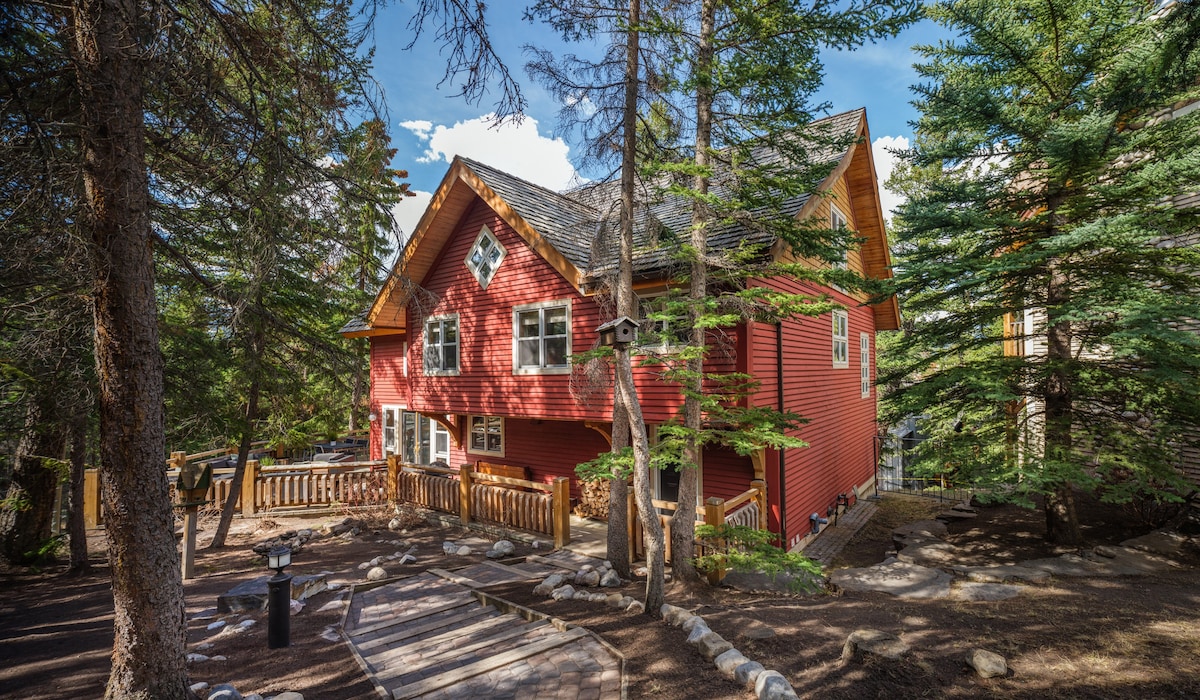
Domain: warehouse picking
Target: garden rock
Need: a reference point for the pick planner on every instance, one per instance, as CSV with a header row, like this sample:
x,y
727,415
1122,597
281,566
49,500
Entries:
x,y
198,687
377,573
563,593
728,662
771,685
674,615
698,630
987,664
712,645
588,578
224,691
449,548
636,607
690,623
1002,573
290,695
865,642
500,550
464,551
610,579
747,673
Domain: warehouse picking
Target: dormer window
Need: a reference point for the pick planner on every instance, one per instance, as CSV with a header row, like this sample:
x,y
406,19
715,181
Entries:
x,y
485,257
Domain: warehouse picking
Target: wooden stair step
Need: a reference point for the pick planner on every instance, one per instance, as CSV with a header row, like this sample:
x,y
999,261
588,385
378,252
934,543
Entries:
x,y
485,665
454,622
516,637
488,625
458,601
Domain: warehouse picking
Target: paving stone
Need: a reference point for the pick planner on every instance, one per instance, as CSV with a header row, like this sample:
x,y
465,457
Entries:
x,y
900,579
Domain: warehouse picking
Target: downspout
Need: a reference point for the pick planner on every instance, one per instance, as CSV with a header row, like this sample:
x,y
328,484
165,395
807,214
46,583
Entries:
x,y
782,451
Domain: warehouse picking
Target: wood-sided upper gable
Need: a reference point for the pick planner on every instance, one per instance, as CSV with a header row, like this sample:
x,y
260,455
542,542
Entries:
x,y
857,166
460,187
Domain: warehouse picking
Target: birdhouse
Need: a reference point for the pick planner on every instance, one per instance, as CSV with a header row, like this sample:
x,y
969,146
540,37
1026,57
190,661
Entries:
x,y
194,482
619,331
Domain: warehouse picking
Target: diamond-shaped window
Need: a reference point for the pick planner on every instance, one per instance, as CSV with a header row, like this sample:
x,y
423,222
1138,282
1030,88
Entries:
x,y
485,257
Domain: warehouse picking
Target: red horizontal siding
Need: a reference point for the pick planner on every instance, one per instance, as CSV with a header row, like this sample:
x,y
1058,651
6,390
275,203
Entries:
x,y
840,431
388,385
726,473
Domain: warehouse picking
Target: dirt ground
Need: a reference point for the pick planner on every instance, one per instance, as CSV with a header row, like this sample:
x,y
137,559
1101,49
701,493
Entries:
x,y
1069,638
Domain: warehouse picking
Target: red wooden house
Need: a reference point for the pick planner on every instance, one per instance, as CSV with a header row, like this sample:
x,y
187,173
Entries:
x,y
472,335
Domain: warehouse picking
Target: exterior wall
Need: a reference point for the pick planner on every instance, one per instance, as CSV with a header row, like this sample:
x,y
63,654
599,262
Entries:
x,y
841,424
388,386
726,473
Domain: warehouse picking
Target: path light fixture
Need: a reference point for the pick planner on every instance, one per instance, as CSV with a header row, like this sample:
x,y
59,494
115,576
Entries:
x,y
279,599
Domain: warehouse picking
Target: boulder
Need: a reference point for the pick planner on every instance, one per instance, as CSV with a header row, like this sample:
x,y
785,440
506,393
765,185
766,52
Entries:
x,y
728,662
900,579
464,551
747,673
771,685
712,645
698,630
224,691
865,642
610,579
674,615
377,573
636,607
987,664
563,593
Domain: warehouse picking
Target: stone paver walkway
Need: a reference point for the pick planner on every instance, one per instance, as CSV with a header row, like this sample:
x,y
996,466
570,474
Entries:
x,y
830,542
434,636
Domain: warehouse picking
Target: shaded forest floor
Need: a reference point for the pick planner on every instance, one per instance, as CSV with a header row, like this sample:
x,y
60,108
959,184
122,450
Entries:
x,y
1133,636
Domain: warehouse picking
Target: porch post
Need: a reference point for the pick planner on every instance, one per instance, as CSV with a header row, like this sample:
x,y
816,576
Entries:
x,y
249,487
464,493
561,503
761,497
714,515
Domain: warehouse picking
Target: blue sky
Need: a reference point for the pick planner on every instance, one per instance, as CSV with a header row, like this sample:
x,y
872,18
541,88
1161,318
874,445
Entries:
x,y
429,126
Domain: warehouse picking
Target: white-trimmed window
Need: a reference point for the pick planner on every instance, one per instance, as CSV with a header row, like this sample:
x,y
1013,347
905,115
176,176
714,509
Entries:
x,y
837,222
441,345
422,439
485,257
542,338
864,358
841,339
661,331
485,435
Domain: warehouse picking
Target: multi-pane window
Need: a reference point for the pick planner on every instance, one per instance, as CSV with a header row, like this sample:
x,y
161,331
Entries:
x,y
424,439
441,345
837,222
486,435
864,358
485,256
661,330
542,338
841,339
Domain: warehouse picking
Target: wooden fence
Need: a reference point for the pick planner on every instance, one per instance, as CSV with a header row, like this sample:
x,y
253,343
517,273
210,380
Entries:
x,y
748,508
473,496
478,497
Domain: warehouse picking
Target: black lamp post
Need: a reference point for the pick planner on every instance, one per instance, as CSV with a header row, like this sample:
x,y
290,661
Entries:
x,y
279,599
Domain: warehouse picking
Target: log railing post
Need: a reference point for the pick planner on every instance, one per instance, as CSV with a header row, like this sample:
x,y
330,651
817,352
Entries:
x,y
91,499
393,480
248,497
760,497
560,500
464,493
714,515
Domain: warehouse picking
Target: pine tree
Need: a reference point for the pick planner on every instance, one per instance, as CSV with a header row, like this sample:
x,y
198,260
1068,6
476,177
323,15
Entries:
x,y
1042,213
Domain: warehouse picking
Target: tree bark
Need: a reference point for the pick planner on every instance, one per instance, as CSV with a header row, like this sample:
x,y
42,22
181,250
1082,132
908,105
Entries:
x,y
655,544
1062,521
25,522
618,495
250,417
683,521
76,528
148,659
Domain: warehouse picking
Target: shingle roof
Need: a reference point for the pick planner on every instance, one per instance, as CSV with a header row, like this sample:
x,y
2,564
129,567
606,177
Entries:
x,y
582,223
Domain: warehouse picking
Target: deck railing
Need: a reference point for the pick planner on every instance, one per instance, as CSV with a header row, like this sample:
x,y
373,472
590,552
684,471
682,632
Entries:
x,y
748,508
472,496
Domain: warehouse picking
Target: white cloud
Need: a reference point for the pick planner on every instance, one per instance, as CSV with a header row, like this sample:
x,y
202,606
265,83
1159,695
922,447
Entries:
x,y
518,149
885,162
420,127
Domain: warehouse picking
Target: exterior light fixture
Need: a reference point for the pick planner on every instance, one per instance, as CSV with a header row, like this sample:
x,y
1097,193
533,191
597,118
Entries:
x,y
279,599
372,416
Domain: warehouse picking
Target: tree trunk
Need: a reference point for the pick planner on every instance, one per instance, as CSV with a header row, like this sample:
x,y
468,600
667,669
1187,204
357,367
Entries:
x,y
683,521
76,528
1062,522
618,495
239,471
25,521
148,659
655,544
